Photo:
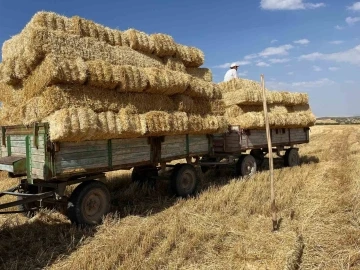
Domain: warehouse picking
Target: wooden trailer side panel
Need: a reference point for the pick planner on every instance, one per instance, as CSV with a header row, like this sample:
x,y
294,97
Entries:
x,y
81,156
198,144
130,151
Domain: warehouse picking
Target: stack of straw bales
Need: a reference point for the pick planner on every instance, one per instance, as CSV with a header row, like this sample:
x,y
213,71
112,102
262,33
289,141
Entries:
x,y
92,82
244,106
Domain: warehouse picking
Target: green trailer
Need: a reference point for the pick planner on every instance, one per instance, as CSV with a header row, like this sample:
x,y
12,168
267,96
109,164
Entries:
x,y
45,168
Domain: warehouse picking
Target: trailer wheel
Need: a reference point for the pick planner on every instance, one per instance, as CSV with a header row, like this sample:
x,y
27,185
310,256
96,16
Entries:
x,y
259,156
246,166
184,180
88,203
143,174
291,157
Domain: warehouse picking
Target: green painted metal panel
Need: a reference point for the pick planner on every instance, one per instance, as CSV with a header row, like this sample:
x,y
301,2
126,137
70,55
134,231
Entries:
x,y
8,145
28,160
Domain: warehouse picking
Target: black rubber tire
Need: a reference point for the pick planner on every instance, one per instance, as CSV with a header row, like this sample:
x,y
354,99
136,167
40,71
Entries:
x,y
259,156
246,166
144,174
89,192
184,180
28,206
291,157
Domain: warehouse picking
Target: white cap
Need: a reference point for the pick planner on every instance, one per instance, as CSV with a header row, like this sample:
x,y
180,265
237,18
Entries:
x,y
234,65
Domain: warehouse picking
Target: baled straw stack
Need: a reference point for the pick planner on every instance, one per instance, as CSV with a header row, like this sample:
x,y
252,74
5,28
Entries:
x,y
55,70
30,48
174,63
200,88
139,41
190,56
201,73
164,45
48,23
254,97
58,97
76,124
162,81
255,120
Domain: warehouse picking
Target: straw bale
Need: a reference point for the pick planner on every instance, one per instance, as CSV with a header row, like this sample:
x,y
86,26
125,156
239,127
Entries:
x,y
167,82
190,56
35,44
201,106
55,70
129,124
250,97
103,75
239,84
199,124
164,45
65,96
174,63
139,41
201,73
201,88
73,124
51,21
87,28
255,120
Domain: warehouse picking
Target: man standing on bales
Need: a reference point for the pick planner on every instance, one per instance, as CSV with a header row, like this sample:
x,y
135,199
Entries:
x,y
231,73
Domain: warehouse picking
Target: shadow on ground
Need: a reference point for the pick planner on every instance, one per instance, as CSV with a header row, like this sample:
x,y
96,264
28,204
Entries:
x,y
38,242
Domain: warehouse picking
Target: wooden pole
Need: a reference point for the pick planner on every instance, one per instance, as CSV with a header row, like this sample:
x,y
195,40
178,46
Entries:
x,y
271,163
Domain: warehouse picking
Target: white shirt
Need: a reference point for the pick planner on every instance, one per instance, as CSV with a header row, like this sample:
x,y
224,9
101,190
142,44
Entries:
x,y
230,74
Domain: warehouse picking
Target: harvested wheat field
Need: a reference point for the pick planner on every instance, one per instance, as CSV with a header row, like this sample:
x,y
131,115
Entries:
x,y
226,226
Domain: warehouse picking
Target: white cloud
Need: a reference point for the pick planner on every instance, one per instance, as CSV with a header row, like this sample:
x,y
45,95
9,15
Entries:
x,y
277,60
312,84
317,69
355,7
333,68
243,74
300,85
263,64
291,73
273,41
227,65
336,42
352,20
349,81
288,5
338,27
250,56
351,56
281,50
302,41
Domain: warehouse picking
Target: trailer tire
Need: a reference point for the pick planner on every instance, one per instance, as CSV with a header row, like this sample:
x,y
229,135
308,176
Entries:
x,y
88,203
291,157
184,180
144,174
246,166
259,156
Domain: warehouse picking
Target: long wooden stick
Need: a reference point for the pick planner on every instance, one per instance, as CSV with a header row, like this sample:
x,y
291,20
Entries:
x,y
273,206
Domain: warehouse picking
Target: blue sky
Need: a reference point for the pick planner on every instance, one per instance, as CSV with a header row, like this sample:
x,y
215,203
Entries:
x,y
301,46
